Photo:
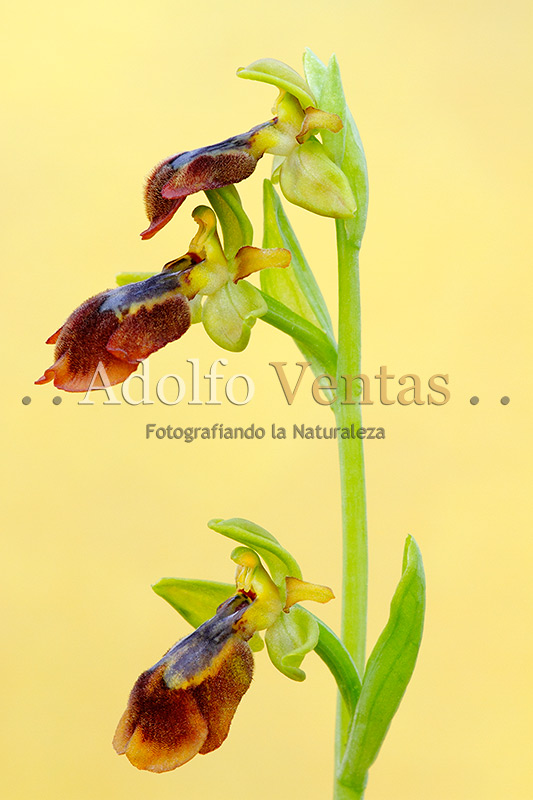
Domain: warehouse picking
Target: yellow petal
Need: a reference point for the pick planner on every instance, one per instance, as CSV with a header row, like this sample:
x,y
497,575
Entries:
x,y
252,259
316,120
298,590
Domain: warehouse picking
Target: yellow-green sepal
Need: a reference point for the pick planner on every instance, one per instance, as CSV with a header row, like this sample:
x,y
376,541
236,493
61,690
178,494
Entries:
x,y
278,560
311,180
289,639
270,70
197,600
230,313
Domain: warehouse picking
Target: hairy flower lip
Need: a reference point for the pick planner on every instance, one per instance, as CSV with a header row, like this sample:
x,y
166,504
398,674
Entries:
x,y
116,329
211,167
160,221
185,703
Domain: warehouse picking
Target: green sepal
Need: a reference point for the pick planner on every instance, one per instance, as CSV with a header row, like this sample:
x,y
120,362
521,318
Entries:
x,y
294,286
388,670
289,639
123,278
236,227
197,601
269,70
230,313
279,561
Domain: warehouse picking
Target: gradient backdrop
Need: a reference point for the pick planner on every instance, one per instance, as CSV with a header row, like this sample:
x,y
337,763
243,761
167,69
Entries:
x,y
94,94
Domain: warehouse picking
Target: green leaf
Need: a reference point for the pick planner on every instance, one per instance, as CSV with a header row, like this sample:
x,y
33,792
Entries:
x,y
388,670
294,286
269,70
197,601
236,227
314,71
289,639
279,561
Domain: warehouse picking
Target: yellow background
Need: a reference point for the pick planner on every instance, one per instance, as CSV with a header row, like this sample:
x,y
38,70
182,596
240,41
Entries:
x,y
94,94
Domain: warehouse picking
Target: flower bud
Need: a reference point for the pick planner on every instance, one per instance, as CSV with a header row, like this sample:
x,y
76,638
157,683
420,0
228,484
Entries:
x,y
311,180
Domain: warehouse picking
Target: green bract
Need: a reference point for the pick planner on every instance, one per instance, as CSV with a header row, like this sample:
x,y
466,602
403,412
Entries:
x,y
388,670
345,148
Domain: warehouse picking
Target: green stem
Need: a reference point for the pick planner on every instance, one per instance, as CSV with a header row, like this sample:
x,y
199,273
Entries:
x,y
352,479
312,338
343,792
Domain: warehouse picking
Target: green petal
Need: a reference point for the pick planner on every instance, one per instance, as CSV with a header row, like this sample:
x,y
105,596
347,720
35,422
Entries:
x,y
230,313
311,180
289,639
388,670
269,70
236,227
197,601
279,561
